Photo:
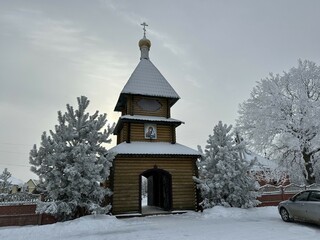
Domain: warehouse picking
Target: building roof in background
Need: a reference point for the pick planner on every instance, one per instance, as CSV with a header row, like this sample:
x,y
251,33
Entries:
x,y
262,162
13,180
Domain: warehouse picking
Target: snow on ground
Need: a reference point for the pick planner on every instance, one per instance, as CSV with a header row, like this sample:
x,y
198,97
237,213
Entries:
x,y
218,223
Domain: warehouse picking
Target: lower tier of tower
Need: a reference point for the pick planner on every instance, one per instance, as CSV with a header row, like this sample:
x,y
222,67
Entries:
x,y
166,182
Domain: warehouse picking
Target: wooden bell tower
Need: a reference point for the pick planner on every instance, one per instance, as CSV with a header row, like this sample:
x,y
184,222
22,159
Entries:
x,y
147,147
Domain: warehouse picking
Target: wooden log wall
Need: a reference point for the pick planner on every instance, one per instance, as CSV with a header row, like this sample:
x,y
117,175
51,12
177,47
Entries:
x,y
161,112
133,107
165,133
123,135
126,182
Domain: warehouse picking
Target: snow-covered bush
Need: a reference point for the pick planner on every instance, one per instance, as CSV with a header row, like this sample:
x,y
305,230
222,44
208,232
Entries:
x,y
223,175
72,162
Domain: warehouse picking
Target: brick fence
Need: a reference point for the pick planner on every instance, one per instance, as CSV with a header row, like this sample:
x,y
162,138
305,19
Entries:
x,y
273,195
273,199
20,215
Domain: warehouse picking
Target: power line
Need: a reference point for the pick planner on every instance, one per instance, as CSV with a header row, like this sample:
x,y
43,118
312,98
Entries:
x,y
17,165
15,144
9,146
14,152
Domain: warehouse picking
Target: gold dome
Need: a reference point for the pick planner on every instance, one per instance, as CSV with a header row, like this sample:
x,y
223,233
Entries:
x,y
144,42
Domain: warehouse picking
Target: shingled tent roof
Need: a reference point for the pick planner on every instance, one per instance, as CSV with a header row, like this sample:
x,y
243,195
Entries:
x,y
147,80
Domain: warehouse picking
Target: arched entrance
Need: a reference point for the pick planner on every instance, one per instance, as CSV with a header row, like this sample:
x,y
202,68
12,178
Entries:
x,y
158,188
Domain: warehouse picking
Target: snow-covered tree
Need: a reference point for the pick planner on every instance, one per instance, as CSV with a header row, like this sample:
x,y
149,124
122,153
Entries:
x,y
5,184
224,174
281,119
72,162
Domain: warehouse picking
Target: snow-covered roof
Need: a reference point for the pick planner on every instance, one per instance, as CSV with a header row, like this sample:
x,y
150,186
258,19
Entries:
x,y
150,118
262,163
152,148
16,181
13,180
154,119
147,80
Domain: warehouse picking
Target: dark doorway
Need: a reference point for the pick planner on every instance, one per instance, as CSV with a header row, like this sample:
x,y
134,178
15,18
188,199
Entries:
x,y
156,186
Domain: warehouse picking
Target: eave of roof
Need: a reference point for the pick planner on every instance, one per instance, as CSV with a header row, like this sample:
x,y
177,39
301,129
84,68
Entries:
x,y
145,119
150,118
153,148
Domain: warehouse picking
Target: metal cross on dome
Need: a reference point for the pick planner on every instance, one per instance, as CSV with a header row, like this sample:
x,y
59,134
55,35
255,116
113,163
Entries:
x,y
144,28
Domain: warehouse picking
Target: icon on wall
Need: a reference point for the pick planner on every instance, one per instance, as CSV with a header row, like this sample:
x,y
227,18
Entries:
x,y
150,131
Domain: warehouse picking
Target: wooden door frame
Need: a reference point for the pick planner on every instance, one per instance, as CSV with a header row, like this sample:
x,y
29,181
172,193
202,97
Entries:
x,y
151,172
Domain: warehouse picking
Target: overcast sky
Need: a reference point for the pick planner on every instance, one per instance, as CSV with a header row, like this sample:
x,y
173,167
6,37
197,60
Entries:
x,y
211,52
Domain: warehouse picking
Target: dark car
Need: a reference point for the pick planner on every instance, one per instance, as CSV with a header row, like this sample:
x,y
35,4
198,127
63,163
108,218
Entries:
x,y
304,206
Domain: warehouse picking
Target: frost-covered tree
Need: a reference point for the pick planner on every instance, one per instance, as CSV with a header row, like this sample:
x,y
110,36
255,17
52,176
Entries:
x,y
72,162
5,183
224,174
281,119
